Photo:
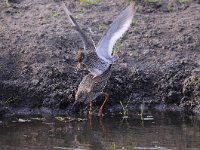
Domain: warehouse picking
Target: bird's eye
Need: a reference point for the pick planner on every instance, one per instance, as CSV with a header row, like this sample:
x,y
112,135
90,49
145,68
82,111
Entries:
x,y
80,56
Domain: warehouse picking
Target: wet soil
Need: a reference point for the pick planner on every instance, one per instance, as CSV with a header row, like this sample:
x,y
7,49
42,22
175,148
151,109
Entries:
x,y
159,62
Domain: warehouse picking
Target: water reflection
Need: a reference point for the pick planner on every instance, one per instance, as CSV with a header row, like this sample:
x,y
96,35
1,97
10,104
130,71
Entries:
x,y
166,131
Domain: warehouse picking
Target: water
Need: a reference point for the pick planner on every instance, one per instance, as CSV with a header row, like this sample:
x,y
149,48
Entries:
x,y
153,131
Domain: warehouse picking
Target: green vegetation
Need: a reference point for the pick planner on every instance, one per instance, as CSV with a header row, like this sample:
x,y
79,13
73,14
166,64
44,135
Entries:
x,y
129,1
69,119
89,2
82,10
142,111
116,47
7,102
183,1
125,109
55,13
133,23
113,146
153,1
169,6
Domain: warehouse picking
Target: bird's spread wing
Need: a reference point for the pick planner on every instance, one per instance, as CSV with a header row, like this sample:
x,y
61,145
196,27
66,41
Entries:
x,y
87,41
119,26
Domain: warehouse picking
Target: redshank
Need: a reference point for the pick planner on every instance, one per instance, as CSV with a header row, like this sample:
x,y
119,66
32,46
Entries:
x,y
90,88
98,59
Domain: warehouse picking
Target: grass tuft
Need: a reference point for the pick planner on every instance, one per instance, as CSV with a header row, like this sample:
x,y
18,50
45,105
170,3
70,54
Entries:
x,y
169,7
125,108
116,47
113,146
153,1
130,1
89,2
7,101
55,14
142,110
183,1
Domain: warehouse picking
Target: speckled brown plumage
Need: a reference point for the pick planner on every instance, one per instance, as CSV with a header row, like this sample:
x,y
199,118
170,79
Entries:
x,y
90,88
98,59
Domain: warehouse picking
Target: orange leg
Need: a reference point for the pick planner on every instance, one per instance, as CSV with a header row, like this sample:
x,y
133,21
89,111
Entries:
x,y
90,110
102,106
102,124
90,120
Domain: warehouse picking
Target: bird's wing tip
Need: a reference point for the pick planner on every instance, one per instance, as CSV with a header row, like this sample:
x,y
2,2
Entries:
x,y
66,9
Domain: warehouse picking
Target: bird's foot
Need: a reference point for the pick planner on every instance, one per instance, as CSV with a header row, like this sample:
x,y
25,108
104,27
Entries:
x,y
100,113
90,110
102,106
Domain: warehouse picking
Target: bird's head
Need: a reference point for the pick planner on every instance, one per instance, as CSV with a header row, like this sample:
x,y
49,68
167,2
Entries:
x,y
80,59
80,96
80,56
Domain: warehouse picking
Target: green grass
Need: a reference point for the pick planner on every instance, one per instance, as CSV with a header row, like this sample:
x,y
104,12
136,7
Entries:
x,y
183,1
124,108
130,1
142,110
169,6
113,146
153,1
89,2
134,23
55,14
116,47
7,101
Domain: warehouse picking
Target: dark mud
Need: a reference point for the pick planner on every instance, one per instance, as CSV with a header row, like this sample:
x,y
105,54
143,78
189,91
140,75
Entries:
x,y
159,56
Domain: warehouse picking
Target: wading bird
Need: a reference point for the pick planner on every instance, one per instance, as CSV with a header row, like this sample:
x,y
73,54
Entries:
x,y
98,59
90,88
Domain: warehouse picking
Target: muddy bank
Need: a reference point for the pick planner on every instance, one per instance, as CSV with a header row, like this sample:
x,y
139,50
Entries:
x,y
159,56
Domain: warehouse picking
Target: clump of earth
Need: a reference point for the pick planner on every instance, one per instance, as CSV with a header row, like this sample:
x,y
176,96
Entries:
x,y
159,63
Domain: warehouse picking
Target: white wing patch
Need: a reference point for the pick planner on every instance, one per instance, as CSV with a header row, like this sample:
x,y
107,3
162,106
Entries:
x,y
119,26
118,35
